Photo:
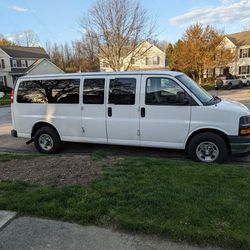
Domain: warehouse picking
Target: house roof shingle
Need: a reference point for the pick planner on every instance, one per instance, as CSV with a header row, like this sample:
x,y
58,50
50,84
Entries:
x,y
240,39
25,52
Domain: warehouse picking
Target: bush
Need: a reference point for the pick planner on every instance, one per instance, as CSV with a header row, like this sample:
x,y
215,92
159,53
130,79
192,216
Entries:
x,y
208,87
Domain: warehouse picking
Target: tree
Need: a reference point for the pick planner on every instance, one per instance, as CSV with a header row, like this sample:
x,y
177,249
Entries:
x,y
5,42
26,38
115,28
200,49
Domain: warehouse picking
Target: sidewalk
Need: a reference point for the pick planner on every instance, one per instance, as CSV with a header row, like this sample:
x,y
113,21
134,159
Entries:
x,y
26,233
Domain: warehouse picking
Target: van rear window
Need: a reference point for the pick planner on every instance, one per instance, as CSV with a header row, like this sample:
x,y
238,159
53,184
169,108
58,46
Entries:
x,y
49,91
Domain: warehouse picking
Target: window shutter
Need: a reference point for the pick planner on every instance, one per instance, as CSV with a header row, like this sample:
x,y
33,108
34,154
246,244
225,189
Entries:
x,y
26,63
249,52
11,63
3,65
5,81
239,70
240,53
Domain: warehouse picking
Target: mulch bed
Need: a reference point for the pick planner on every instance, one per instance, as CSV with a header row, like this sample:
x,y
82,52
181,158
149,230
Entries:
x,y
58,170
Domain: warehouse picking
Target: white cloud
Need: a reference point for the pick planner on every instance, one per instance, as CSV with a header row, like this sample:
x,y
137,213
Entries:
x,y
228,12
226,2
19,9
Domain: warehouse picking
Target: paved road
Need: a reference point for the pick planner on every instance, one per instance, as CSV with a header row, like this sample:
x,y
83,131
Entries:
x,y
9,144
31,233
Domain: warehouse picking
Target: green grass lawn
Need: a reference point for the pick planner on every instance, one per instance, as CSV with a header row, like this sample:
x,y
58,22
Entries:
x,y
183,200
8,157
5,100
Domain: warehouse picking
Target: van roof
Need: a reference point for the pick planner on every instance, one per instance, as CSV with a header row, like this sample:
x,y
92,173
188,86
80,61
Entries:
x,y
165,72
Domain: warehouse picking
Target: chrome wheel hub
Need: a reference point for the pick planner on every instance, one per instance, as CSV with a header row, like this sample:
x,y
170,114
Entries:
x,y
45,142
207,151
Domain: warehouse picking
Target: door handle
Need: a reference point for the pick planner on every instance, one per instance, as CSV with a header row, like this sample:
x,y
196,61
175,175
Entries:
x,y
143,112
109,111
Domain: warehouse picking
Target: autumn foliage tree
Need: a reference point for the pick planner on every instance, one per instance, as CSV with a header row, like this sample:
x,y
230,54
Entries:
x,y
200,49
5,42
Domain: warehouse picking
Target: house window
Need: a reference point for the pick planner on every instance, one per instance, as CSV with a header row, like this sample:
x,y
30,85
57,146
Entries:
x,y
243,70
156,60
244,53
23,63
14,63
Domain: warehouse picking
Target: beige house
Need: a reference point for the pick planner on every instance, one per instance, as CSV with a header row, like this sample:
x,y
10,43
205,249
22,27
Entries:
x,y
145,56
16,61
239,43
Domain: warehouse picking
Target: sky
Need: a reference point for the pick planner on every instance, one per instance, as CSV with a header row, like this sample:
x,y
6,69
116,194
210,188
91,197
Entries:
x,y
58,20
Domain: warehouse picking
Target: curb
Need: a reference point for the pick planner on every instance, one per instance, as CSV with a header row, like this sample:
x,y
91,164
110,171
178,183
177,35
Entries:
x,y
6,217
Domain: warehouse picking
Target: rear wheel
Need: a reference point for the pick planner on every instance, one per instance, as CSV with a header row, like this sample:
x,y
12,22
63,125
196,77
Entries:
x,y
47,140
208,147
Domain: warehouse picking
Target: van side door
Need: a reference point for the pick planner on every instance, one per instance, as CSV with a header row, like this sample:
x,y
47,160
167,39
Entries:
x,y
164,120
123,109
93,109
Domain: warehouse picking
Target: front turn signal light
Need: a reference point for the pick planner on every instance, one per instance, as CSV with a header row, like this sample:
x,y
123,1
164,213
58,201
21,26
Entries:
x,y
244,131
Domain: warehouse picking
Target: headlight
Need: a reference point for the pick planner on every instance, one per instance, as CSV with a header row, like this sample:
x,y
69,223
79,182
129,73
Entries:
x,y
244,125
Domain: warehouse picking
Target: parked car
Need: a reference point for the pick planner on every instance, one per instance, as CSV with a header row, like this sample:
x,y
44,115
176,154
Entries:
x,y
164,109
245,80
228,82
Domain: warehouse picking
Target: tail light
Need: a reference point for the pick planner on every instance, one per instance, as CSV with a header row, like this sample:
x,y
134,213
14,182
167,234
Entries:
x,y
12,96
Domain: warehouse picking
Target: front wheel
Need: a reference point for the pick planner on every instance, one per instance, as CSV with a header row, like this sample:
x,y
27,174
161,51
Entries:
x,y
208,147
47,140
229,86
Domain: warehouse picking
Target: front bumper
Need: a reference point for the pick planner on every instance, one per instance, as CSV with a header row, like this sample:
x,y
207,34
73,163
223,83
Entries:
x,y
239,144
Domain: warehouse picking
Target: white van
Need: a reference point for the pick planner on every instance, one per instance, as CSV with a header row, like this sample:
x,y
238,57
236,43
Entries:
x,y
162,109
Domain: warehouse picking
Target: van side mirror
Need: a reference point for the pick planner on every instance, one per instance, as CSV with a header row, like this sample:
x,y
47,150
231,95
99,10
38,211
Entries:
x,y
181,98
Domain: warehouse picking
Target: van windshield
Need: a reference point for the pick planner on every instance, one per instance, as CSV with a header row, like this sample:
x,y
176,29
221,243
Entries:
x,y
197,90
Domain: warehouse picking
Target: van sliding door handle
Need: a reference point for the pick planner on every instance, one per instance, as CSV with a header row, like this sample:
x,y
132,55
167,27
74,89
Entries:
x,y
143,112
109,111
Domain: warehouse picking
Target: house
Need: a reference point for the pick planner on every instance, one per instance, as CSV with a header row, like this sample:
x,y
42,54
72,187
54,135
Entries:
x,y
145,56
16,61
239,43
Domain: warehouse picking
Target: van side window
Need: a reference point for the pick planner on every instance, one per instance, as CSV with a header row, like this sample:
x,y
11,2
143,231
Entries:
x,y
93,91
161,91
122,91
49,91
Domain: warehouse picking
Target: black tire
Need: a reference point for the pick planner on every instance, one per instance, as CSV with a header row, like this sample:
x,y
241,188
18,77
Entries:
x,y
54,140
229,86
208,137
240,85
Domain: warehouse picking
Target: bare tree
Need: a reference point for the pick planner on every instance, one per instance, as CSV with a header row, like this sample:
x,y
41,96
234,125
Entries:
x,y
26,38
115,28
